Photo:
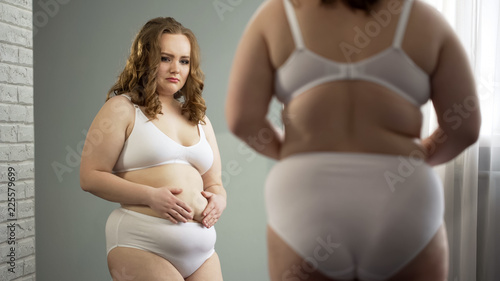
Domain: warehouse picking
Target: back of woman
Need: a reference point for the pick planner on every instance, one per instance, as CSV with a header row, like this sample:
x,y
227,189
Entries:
x,y
354,173
368,107
340,113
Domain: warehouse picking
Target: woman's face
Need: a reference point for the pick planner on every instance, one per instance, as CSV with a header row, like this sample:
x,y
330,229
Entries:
x,y
174,65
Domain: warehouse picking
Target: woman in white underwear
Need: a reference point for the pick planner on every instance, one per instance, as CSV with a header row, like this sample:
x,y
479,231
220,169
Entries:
x,y
354,195
152,149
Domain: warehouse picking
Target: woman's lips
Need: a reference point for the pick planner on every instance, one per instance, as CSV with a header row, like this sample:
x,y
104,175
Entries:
x,y
173,80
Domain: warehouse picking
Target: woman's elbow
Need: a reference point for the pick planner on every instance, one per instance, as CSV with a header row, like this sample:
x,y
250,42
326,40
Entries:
x,y
85,181
470,131
242,128
84,185
245,121
473,133
236,128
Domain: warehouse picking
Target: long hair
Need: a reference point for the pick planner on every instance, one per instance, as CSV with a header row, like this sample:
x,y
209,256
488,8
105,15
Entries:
x,y
138,78
365,5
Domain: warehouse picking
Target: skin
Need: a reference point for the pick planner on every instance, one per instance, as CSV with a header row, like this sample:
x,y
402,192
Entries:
x,y
353,116
176,192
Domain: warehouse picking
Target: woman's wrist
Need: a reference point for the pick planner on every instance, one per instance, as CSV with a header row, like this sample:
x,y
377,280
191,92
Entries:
x,y
148,195
217,190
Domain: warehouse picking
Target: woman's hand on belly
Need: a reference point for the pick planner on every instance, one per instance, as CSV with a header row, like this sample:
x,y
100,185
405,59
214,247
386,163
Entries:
x,y
165,202
214,208
183,202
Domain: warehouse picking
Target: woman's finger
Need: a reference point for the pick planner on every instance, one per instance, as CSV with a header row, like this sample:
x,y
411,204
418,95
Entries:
x,y
210,207
207,220
207,194
211,218
178,217
183,205
185,214
170,218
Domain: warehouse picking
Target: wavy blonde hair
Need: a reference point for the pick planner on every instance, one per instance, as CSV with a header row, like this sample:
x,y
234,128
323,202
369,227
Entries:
x,y
138,78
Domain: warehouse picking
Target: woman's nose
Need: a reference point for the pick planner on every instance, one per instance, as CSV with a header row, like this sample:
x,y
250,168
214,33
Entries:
x,y
174,67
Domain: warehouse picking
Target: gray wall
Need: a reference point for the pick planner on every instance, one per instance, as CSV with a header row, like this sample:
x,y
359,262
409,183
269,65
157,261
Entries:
x,y
79,49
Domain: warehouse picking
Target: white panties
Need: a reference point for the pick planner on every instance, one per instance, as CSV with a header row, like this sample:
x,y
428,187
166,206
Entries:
x,y
185,245
354,215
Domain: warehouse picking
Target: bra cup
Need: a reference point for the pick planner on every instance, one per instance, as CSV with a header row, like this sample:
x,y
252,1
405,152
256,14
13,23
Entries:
x,y
147,146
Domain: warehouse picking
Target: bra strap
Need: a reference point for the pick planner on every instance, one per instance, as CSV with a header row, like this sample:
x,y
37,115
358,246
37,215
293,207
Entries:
x,y
294,24
403,20
200,128
130,99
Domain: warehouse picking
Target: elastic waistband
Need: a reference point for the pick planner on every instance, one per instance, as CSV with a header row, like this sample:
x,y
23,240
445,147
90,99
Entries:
x,y
158,220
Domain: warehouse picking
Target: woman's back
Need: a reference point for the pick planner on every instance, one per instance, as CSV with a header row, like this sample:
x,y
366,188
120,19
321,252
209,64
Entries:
x,y
350,113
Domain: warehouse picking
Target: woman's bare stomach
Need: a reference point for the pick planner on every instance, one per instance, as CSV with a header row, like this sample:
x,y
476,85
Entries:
x,y
352,117
181,176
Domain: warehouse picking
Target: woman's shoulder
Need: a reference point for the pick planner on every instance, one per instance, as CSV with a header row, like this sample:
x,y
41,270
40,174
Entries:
x,y
267,23
430,30
429,18
120,105
205,123
266,14
121,99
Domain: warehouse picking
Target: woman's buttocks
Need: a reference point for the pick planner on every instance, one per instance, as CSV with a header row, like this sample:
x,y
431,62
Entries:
x,y
181,176
351,116
368,187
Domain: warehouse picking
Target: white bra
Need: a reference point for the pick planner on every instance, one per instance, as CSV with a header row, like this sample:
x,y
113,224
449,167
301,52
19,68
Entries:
x,y
147,147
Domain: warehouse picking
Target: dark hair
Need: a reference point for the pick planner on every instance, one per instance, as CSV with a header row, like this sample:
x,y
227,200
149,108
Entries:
x,y
355,4
138,79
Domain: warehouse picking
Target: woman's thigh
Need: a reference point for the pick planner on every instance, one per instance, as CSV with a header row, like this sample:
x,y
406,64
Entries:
x,y
431,264
210,270
129,264
285,264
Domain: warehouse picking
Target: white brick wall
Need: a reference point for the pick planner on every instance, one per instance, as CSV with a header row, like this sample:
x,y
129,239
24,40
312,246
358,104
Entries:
x,y
17,137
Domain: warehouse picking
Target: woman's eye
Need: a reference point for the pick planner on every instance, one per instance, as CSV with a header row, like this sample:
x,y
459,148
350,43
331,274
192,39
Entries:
x,y
165,59
185,61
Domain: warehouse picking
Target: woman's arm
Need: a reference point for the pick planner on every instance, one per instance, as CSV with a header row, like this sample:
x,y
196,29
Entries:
x,y
250,91
102,148
455,102
212,182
